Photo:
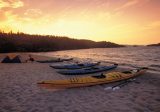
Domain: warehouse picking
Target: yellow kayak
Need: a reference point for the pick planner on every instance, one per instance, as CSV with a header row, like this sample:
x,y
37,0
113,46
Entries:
x,y
92,80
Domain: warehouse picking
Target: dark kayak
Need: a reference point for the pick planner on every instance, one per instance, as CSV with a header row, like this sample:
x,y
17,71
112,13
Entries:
x,y
93,69
75,66
55,60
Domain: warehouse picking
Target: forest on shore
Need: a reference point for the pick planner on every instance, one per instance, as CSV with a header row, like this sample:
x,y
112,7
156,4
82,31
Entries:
x,y
154,44
21,42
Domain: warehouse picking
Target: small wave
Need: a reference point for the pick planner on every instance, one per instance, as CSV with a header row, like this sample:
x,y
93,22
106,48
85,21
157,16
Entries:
x,y
110,62
155,60
154,70
123,64
138,60
153,65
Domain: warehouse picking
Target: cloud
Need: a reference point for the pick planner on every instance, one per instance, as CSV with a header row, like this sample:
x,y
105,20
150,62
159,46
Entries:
x,y
3,4
14,22
9,19
155,24
11,4
130,3
17,3
33,13
152,25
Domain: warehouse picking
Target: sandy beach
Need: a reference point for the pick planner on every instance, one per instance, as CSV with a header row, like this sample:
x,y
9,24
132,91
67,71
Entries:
x,y
19,92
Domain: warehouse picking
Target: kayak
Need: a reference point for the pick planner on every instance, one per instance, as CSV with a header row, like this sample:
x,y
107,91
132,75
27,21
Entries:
x,y
75,66
55,60
92,80
93,69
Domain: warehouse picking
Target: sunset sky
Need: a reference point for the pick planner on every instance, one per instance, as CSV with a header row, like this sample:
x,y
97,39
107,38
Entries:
x,y
119,21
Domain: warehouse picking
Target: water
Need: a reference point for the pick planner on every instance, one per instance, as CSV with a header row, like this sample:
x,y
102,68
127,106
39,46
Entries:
x,y
126,56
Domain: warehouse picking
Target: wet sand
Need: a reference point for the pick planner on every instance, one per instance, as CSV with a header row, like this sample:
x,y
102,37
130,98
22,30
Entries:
x,y
19,92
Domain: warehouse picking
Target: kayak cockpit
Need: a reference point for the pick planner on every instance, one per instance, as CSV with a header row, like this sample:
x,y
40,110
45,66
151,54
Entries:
x,y
80,64
101,76
131,71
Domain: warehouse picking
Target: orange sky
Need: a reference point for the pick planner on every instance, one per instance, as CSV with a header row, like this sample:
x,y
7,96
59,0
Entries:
x,y
119,21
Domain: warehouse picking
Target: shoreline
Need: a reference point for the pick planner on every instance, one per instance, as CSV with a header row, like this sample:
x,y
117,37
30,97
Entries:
x,y
28,52
19,92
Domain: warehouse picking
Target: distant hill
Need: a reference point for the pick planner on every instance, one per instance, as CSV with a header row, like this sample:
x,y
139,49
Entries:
x,y
154,44
20,42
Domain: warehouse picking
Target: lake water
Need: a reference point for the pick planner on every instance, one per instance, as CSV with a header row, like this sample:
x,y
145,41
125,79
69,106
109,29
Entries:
x,y
125,56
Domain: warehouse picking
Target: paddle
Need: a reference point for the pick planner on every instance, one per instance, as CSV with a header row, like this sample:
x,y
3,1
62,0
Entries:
x,y
125,82
120,85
